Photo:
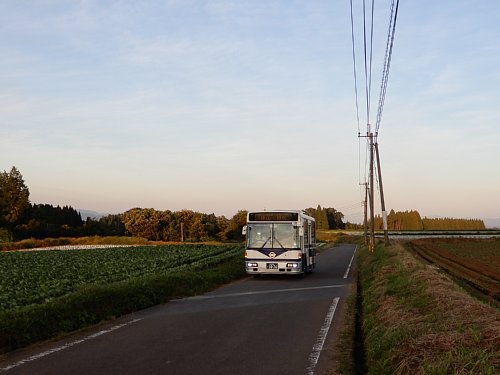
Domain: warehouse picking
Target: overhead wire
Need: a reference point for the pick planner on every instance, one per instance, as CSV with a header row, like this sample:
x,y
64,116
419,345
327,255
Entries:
x,y
356,91
371,59
387,63
354,68
368,59
367,94
372,132
368,62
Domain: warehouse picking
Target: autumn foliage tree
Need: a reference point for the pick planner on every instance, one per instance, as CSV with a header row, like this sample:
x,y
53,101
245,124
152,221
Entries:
x,y
235,226
14,198
14,201
168,225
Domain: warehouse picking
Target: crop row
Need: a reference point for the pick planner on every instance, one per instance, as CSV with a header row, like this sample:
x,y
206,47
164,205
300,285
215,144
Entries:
x,y
473,261
28,278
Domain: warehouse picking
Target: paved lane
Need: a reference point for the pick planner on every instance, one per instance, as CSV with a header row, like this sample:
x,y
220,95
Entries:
x,y
272,325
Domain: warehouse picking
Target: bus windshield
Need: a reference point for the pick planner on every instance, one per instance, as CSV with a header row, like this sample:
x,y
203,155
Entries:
x,y
273,236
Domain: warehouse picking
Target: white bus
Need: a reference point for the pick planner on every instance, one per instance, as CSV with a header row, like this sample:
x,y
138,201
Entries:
x,y
280,242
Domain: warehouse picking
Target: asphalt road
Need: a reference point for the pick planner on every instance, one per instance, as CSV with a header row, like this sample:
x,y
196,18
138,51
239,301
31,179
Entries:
x,y
271,325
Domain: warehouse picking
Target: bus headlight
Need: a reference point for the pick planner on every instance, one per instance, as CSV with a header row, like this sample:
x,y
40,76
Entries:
x,y
252,264
292,265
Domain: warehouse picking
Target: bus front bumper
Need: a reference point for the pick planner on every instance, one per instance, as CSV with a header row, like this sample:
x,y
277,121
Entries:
x,y
273,267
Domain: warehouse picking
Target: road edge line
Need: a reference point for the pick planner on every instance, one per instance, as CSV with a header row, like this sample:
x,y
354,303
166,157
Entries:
x,y
320,341
66,346
346,274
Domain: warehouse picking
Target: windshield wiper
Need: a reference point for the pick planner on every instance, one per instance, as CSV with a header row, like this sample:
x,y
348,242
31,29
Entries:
x,y
279,243
265,242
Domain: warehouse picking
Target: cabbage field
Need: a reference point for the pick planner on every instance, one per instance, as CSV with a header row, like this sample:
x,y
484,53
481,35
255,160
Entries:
x,y
38,277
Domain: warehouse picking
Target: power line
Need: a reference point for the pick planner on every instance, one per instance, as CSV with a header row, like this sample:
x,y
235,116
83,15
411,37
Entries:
x,y
368,67
349,207
387,62
368,62
371,59
354,69
355,91
371,136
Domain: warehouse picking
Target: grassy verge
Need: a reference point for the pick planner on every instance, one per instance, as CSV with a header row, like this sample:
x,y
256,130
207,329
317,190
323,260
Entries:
x,y
416,320
97,303
344,353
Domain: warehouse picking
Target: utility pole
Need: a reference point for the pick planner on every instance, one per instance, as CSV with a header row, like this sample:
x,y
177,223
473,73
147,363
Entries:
x,y
365,221
182,232
371,245
382,201
369,192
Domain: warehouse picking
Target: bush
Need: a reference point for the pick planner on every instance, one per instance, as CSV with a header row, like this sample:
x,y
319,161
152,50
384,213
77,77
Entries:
x,y
6,235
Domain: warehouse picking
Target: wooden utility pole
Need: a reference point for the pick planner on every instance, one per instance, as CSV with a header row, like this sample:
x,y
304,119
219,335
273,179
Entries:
x,y
382,201
365,221
371,245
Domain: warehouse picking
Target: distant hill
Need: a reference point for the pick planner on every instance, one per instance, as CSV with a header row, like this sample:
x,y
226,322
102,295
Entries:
x,y
492,223
92,214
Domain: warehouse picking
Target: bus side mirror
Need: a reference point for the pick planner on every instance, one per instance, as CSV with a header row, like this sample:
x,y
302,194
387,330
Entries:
x,y
244,230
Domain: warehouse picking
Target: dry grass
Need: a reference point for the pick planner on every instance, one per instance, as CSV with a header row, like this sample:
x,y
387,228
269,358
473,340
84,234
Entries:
x,y
423,323
461,327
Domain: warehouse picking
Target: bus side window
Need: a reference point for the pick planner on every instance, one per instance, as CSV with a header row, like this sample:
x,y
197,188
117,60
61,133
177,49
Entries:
x,y
306,235
310,232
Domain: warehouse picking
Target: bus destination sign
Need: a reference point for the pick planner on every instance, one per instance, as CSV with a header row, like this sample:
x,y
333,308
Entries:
x,y
273,216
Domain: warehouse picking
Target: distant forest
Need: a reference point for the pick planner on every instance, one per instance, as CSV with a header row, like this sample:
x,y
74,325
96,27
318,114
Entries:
x,y
19,219
43,220
411,220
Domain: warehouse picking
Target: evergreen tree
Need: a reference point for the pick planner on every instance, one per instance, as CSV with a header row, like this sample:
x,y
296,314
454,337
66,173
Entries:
x,y
321,218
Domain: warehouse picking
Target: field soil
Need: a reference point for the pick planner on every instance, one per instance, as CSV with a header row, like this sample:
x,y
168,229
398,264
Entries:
x,y
476,261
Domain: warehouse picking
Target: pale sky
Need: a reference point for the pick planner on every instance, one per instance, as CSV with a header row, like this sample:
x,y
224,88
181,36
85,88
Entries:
x,y
222,105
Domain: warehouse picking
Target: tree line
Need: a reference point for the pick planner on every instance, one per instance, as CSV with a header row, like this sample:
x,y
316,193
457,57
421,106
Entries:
x,y
19,219
184,225
411,220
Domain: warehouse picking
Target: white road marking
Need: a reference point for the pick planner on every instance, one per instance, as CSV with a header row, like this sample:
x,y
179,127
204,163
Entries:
x,y
320,341
350,264
258,292
66,346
